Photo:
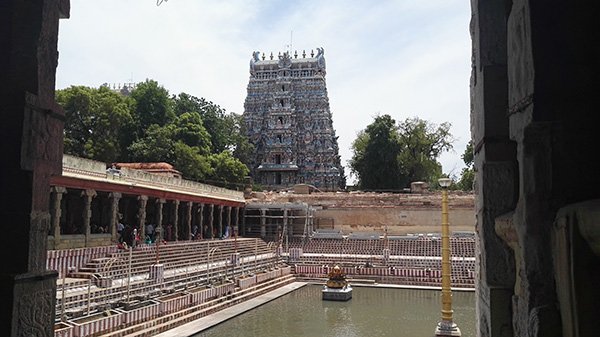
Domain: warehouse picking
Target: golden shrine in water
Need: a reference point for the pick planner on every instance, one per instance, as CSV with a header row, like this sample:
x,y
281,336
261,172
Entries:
x,y
337,287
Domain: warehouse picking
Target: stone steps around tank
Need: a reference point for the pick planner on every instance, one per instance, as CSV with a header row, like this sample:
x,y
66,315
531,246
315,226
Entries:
x,y
169,321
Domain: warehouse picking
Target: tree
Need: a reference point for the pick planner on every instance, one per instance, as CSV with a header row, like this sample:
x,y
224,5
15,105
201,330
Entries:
x,y
95,121
152,106
422,144
158,145
467,176
220,126
228,170
375,159
191,163
242,148
390,156
151,126
190,130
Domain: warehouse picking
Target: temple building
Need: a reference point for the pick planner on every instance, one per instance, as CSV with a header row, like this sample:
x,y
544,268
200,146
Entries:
x,y
88,201
289,122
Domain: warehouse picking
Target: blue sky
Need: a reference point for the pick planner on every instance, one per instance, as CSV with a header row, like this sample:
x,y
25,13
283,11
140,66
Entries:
x,y
405,58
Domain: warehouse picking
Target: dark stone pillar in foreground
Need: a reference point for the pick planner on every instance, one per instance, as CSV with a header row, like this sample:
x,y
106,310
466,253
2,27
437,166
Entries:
x,y
31,125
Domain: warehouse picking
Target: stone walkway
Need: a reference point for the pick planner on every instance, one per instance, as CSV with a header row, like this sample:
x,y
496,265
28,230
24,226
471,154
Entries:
x,y
209,321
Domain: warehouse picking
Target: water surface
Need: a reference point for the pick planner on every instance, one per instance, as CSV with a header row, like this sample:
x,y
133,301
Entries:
x,y
372,312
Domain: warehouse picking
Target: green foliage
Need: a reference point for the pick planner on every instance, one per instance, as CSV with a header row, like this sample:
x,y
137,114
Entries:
x,y
422,143
228,169
242,148
467,177
190,130
152,105
189,160
193,134
221,127
96,121
376,151
156,146
390,156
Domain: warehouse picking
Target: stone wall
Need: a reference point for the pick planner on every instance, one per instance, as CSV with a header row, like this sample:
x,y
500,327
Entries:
x,y
400,213
397,220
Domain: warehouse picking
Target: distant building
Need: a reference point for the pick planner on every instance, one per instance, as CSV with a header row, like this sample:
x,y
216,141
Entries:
x,y
123,88
289,122
161,168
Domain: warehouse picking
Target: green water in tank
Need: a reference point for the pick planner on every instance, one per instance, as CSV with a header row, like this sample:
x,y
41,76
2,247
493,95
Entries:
x,y
372,312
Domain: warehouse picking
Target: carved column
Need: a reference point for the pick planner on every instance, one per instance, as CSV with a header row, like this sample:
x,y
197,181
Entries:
x,y
243,222
495,166
114,198
31,125
263,223
211,218
236,224
143,199
284,230
159,230
56,212
187,219
220,221
87,196
176,219
201,220
229,221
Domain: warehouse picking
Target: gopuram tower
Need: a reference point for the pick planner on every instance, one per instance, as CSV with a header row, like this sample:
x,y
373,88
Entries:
x,y
288,120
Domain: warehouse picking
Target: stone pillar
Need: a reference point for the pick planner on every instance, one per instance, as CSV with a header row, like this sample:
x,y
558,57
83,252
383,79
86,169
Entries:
x,y
220,221
263,223
230,229
236,224
175,219
285,223
201,220
187,219
243,222
114,198
211,219
31,125
157,273
159,230
56,212
143,200
87,196
495,165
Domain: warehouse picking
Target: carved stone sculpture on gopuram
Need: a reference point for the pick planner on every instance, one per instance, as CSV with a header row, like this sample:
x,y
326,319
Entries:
x,y
288,120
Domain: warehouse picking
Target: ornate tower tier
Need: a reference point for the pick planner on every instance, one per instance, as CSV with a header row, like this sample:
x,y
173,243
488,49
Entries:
x,y
288,120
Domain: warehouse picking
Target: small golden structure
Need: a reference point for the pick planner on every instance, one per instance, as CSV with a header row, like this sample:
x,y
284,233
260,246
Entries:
x,y
337,287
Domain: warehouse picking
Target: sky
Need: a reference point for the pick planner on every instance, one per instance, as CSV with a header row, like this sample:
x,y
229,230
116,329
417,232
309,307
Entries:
x,y
405,58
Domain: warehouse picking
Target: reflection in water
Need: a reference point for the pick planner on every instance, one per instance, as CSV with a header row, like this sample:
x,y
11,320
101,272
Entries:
x,y
372,312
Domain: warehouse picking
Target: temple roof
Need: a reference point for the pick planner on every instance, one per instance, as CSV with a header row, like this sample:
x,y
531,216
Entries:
x,y
145,166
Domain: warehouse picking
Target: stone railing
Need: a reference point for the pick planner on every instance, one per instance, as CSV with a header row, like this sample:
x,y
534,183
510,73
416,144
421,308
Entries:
x,y
81,167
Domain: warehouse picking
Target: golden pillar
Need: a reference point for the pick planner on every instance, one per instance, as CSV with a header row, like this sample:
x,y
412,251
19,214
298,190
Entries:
x,y
446,327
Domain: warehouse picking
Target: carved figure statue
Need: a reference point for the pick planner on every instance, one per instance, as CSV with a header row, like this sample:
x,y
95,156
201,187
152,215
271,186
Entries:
x,y
255,58
320,52
320,58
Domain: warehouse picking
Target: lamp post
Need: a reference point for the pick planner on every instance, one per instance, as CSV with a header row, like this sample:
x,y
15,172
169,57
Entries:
x,y
446,327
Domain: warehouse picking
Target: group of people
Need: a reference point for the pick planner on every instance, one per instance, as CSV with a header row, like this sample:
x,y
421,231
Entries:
x,y
129,236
